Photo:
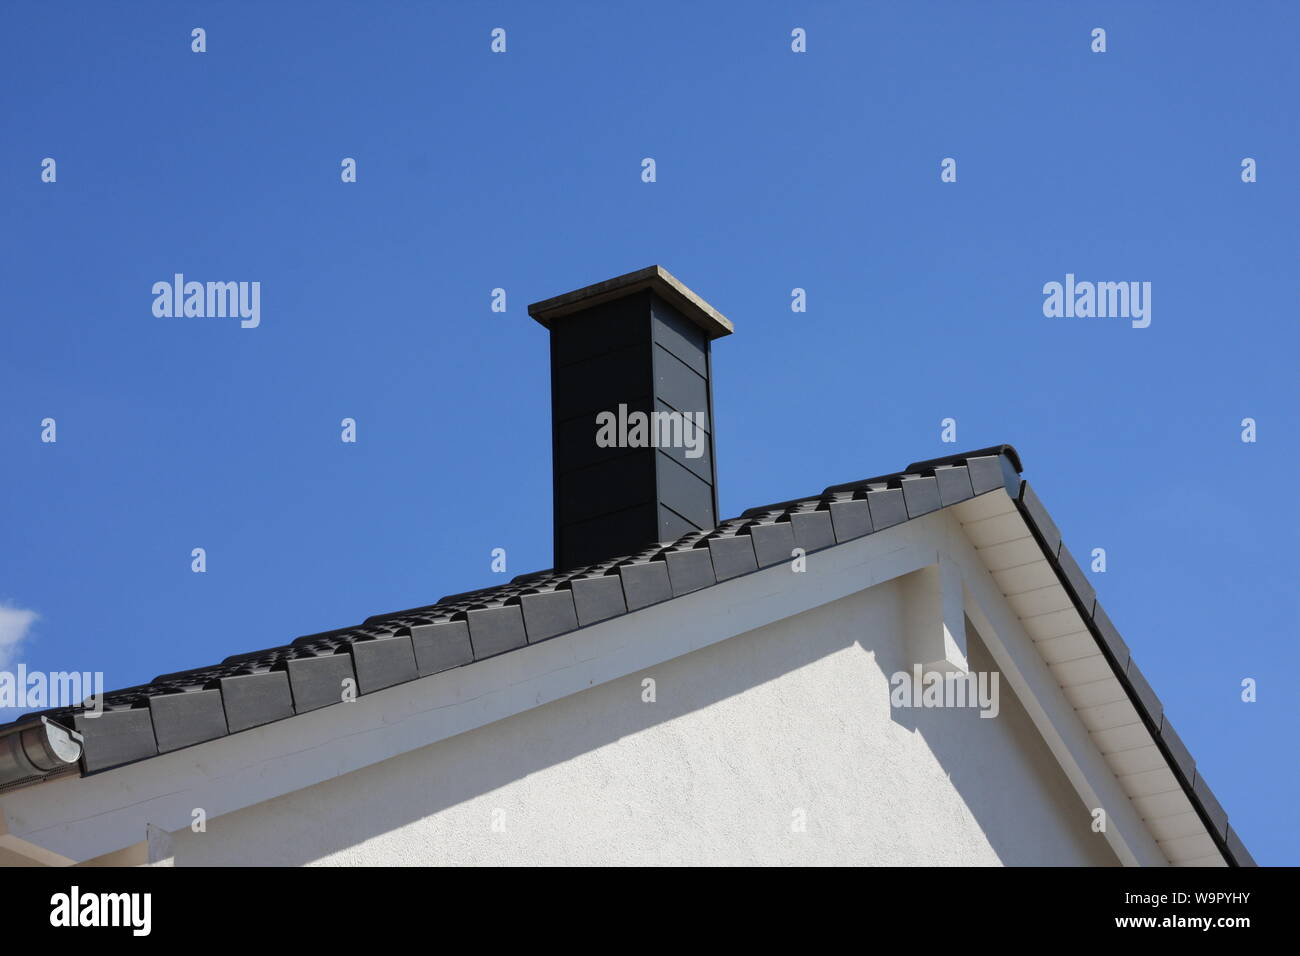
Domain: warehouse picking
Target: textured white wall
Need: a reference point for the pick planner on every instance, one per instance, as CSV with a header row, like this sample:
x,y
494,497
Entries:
x,y
793,716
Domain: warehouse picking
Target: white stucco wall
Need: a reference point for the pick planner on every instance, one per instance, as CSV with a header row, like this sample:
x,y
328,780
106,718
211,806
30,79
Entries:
x,y
792,717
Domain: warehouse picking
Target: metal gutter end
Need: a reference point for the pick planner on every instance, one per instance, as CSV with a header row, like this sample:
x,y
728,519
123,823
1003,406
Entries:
x,y
31,753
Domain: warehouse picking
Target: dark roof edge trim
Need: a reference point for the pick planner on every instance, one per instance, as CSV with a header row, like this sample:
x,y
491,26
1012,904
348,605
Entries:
x,y
1153,723
1008,450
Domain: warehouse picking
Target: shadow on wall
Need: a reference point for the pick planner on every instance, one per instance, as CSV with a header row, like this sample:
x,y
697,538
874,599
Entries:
x,y
1008,776
340,814
719,785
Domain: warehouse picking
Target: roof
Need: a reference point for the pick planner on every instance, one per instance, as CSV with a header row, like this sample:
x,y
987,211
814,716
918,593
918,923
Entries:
x,y
247,690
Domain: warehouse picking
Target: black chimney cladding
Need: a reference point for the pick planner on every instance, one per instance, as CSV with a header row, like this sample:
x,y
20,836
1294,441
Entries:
x,y
631,381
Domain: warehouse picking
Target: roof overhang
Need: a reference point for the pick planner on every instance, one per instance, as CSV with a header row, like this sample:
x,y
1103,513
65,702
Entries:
x,y
1019,585
1088,709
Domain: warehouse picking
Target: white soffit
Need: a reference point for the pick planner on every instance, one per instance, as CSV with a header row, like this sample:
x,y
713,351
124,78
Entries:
x,y
1017,565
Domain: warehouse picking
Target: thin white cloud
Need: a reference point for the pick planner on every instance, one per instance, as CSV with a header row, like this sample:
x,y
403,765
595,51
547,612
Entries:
x,y
15,622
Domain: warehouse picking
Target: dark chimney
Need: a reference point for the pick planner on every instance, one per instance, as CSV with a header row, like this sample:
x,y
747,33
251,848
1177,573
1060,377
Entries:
x,y
630,350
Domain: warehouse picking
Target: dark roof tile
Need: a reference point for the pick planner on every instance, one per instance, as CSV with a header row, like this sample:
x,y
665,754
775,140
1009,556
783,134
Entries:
x,y
598,598
1041,519
115,737
851,518
318,680
733,555
440,645
186,718
1110,637
1150,701
548,613
251,700
773,543
813,529
887,507
689,570
645,583
495,628
1241,856
1083,591
383,661
1217,816
993,471
1182,758
921,495
954,484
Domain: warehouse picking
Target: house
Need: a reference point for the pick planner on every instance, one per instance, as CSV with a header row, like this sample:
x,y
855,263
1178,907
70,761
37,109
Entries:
x,y
906,669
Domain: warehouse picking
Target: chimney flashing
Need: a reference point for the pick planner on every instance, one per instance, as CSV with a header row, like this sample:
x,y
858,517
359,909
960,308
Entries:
x,y
657,279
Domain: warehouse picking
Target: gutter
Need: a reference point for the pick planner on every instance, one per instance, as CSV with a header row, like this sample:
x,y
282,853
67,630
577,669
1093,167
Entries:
x,y
32,753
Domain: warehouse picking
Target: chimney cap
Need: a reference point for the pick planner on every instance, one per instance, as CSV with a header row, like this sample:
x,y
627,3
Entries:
x,y
657,279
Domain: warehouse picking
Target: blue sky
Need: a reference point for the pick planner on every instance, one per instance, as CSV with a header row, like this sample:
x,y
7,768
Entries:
x,y
775,170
